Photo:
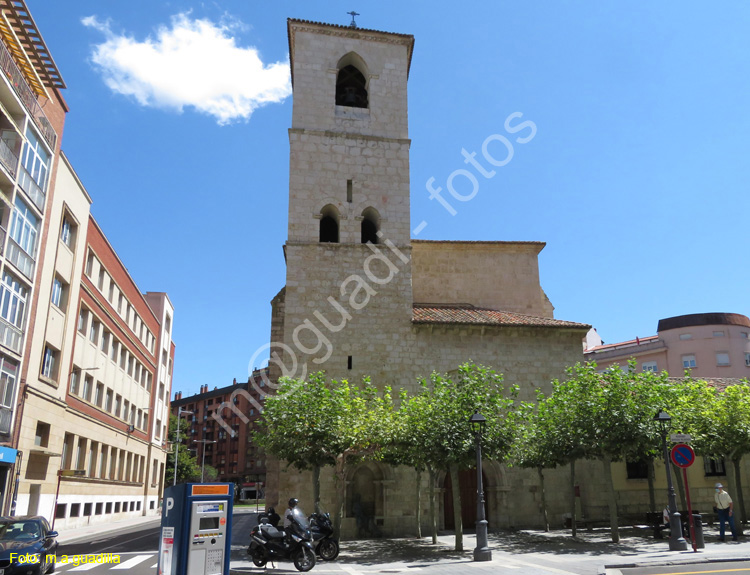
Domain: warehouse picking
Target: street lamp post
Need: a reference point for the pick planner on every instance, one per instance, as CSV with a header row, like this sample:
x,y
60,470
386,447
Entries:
x,y
180,411
482,551
676,540
203,458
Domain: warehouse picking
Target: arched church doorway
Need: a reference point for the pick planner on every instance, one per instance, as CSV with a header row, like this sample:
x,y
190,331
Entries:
x,y
365,500
467,480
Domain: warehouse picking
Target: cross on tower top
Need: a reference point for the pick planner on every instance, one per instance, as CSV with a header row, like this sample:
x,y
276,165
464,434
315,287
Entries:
x,y
353,14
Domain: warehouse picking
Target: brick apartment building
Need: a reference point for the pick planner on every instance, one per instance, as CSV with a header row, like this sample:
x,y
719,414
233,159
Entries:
x,y
85,357
230,449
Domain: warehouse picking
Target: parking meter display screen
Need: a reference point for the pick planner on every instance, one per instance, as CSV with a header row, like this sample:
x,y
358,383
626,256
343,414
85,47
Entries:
x,y
208,523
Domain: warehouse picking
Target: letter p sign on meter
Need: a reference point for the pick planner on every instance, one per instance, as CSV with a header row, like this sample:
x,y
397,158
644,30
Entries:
x,y
196,529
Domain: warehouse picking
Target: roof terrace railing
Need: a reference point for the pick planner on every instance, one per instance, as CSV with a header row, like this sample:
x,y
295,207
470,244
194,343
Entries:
x,y
26,95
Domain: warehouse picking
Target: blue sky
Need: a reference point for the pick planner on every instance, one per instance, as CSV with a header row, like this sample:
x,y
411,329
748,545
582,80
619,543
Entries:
x,y
637,178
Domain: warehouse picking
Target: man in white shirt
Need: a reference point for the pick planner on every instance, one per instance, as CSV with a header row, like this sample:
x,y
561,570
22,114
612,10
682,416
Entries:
x,y
725,509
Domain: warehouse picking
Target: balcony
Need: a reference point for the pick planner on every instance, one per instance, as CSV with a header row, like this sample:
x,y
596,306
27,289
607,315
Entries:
x,y
8,158
10,336
19,258
26,95
32,189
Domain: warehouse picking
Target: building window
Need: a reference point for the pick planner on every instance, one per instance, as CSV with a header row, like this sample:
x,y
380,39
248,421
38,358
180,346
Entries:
x,y
88,386
108,401
649,366
94,331
74,374
637,469
49,362
714,466
118,403
686,336
35,159
718,334
747,359
59,293
722,359
99,395
41,438
90,264
83,320
329,225
67,233
688,361
743,334
24,227
13,300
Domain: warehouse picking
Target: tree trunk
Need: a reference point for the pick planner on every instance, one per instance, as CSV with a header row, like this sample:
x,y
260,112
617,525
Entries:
x,y
573,497
340,496
677,474
611,498
433,514
740,499
457,519
419,503
651,493
540,470
316,487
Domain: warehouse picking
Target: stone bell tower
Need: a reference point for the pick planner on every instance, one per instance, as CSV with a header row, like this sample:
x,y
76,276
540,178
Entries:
x,y
346,307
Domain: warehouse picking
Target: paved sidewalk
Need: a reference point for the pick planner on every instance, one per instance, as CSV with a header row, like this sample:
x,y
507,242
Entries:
x,y
519,552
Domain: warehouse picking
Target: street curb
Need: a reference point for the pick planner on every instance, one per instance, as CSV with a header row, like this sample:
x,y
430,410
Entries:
x,y
615,569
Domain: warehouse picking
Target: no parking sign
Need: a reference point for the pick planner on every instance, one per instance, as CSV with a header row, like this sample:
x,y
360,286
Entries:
x,y
683,455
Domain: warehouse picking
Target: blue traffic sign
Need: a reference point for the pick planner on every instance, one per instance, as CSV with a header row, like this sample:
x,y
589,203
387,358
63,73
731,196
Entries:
x,y
683,455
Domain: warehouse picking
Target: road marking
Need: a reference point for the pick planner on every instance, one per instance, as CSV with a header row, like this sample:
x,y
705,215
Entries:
x,y
132,562
154,566
350,570
86,566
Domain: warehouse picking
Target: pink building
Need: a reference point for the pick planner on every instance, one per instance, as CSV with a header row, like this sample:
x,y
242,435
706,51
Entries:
x,y
714,345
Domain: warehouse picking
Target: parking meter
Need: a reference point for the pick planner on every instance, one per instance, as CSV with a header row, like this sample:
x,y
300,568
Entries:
x,y
196,529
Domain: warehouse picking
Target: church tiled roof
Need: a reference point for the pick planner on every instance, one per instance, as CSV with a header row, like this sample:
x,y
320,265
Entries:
x,y
469,315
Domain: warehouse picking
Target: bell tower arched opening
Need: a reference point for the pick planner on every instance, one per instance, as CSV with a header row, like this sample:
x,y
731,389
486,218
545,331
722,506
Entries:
x,y
351,82
329,225
370,226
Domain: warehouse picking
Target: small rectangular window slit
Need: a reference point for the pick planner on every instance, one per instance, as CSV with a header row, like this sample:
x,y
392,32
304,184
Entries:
x,y
349,191
349,362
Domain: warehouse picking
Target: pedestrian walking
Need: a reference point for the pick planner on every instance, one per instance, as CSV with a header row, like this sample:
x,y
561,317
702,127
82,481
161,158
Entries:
x,y
725,510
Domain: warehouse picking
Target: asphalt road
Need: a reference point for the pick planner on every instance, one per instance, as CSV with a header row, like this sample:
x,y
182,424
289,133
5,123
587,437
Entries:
x,y
729,568
138,549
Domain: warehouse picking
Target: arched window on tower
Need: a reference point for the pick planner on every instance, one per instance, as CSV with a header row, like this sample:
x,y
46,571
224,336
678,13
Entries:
x,y
329,225
370,226
351,87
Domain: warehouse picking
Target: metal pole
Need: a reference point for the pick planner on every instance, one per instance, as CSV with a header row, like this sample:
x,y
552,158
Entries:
x,y
676,540
203,461
482,551
177,446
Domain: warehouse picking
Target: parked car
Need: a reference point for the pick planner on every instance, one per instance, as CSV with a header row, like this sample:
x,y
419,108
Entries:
x,y
30,542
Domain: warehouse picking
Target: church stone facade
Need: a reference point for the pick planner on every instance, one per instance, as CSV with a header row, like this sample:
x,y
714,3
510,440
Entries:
x,y
363,298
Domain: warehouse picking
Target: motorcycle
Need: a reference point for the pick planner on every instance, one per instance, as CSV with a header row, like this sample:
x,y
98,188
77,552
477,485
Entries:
x,y
267,543
321,528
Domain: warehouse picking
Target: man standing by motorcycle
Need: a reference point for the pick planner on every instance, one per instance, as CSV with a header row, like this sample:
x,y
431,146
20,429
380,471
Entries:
x,y
288,513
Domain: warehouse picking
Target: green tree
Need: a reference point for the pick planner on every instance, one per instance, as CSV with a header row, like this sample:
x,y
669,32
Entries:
x,y
443,409
313,424
720,424
188,469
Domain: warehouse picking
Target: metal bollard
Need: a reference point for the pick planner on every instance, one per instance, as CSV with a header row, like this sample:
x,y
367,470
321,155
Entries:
x,y
699,542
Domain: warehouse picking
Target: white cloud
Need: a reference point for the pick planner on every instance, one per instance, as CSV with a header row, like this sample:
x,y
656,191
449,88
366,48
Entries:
x,y
193,63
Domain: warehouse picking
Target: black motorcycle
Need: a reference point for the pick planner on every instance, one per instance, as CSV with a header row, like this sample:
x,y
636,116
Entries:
x,y
268,543
325,544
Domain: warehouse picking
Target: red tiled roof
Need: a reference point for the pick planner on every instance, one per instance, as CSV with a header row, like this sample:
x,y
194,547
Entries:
x,y
469,315
629,343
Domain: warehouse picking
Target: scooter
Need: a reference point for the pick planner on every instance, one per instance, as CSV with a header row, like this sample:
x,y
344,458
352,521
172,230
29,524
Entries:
x,y
267,543
325,544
